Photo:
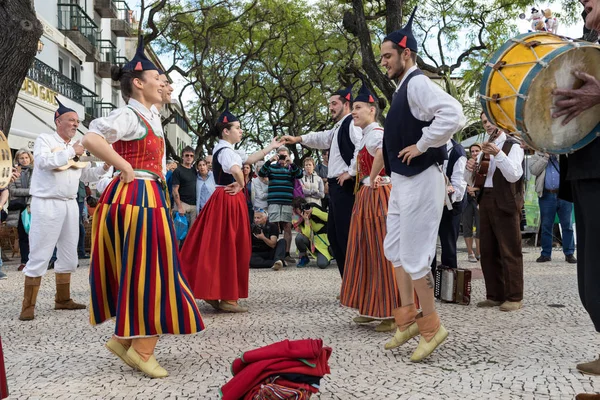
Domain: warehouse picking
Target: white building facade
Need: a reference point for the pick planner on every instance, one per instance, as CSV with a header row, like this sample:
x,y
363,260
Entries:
x,y
82,39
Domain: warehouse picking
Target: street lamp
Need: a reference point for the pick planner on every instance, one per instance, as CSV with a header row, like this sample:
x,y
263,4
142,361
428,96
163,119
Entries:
x,y
40,46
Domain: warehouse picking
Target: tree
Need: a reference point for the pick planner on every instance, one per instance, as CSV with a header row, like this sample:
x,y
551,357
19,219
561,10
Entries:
x,y
20,32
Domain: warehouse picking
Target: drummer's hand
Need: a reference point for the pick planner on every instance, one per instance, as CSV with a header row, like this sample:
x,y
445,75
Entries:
x,y
577,100
471,165
408,153
490,148
79,149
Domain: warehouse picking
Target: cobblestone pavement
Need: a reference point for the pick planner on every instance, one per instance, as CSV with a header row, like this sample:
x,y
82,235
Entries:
x,y
528,354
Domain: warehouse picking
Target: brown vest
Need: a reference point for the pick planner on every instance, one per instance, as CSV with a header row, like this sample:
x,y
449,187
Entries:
x,y
509,197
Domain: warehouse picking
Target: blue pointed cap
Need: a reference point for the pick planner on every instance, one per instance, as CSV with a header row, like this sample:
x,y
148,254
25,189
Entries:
x,y
140,62
365,95
61,109
404,37
227,117
345,93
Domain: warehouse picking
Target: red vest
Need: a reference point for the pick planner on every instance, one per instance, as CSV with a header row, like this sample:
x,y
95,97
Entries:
x,y
144,154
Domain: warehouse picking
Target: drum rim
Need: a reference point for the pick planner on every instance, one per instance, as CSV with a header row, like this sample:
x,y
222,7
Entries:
x,y
487,72
524,91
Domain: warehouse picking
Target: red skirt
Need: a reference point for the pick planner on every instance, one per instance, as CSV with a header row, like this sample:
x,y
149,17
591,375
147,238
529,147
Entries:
x,y
3,383
215,257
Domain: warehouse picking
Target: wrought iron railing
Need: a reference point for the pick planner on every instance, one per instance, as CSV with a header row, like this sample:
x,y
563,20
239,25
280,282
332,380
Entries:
x,y
51,78
124,12
108,51
103,109
121,60
72,17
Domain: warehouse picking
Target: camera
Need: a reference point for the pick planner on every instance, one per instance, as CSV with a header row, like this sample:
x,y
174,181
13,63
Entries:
x,y
256,229
305,207
282,157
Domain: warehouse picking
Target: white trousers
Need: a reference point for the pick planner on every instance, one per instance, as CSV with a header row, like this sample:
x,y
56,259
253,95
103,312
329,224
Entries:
x,y
414,215
54,223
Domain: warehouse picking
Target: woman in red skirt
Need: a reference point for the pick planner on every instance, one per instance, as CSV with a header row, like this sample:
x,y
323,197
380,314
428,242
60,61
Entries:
x,y
369,284
134,270
216,253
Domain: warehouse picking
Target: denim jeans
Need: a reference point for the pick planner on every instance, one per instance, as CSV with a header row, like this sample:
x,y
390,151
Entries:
x,y
550,205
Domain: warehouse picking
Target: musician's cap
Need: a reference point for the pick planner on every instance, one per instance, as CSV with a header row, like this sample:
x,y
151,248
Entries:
x,y
61,109
227,117
140,62
365,95
345,93
404,37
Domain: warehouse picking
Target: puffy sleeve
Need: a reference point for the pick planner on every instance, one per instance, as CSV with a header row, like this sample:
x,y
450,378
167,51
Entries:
x,y
120,123
228,158
374,141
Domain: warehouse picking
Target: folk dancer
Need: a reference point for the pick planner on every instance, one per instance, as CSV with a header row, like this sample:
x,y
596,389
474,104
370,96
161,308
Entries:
x,y
421,120
369,283
216,253
135,271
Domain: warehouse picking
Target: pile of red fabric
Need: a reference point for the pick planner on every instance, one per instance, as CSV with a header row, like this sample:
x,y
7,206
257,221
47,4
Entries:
x,y
283,370
3,383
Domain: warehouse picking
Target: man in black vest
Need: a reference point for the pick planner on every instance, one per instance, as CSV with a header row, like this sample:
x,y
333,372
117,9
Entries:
x,y
500,203
454,168
421,120
341,140
582,169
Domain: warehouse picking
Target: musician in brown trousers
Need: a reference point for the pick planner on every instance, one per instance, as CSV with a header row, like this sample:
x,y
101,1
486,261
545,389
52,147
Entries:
x,y
500,204
582,169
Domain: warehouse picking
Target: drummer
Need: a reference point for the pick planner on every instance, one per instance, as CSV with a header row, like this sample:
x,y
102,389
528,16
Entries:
x,y
582,169
500,205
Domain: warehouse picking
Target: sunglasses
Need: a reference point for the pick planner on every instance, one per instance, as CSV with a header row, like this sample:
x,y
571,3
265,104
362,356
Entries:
x,y
188,155
260,210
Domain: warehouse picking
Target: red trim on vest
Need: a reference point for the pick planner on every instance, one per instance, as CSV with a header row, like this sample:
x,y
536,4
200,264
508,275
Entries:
x,y
402,43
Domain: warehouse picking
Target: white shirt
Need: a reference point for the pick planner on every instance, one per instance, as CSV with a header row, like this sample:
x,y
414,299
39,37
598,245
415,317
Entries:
x,y
427,102
372,139
509,165
229,157
457,180
328,140
124,124
48,183
260,193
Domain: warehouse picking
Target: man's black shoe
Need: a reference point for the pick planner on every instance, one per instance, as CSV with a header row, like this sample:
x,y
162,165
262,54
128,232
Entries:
x,y
571,259
543,259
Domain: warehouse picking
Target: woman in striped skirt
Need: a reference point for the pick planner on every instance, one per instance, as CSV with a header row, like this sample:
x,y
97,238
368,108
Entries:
x,y
135,273
369,284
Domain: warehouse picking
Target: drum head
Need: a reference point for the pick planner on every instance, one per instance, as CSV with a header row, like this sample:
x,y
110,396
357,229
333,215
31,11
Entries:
x,y
5,162
546,133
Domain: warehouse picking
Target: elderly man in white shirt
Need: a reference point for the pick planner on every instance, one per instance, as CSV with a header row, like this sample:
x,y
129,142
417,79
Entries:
x,y
341,141
54,211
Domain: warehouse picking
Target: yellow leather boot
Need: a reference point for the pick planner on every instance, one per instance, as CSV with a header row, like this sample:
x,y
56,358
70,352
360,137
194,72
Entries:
x,y
32,286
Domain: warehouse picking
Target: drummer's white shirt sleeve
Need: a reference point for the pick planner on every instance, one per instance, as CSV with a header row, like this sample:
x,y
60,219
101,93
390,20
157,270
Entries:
x,y
427,102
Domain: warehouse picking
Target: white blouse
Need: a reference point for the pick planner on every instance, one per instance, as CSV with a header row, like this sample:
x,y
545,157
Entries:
x,y
229,157
372,139
124,124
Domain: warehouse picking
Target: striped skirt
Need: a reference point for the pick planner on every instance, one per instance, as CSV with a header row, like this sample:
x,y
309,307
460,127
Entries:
x,y
369,283
134,270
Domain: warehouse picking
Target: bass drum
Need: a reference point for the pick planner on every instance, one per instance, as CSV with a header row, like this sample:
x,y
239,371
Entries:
x,y
6,164
517,84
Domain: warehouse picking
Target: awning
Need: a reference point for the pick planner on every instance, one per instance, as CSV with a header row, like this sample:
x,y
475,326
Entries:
x,y
28,122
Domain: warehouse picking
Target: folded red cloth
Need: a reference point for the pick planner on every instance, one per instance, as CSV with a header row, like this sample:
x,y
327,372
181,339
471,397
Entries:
x,y
248,376
3,383
305,348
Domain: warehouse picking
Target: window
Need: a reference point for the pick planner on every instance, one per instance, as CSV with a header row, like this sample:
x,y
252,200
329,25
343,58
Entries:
x,y
74,73
61,66
98,87
115,97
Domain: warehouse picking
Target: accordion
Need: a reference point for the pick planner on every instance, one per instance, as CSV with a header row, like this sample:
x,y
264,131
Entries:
x,y
453,285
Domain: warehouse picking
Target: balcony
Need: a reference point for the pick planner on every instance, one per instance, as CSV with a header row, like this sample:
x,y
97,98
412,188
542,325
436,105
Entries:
x,y
75,24
107,57
122,25
106,8
51,78
103,109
